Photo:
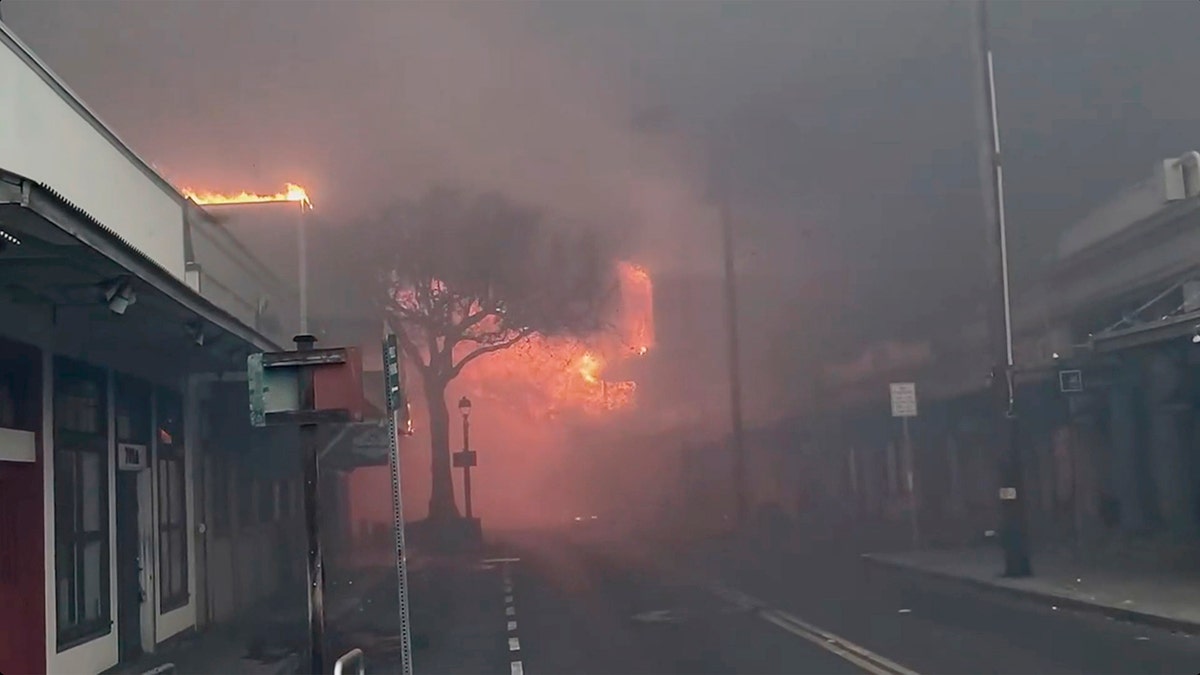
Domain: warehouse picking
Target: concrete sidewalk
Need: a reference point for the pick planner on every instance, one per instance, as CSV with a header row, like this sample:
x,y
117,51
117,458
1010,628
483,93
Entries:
x,y
211,652
456,615
1163,598
271,639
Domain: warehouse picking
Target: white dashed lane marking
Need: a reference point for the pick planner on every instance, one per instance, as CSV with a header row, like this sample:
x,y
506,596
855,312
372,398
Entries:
x,y
510,611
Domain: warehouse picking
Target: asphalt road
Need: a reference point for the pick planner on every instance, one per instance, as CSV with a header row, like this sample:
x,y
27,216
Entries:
x,y
582,607
581,602
590,604
935,626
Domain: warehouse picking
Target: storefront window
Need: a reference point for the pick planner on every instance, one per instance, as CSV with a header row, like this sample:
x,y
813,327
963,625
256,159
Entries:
x,y
81,503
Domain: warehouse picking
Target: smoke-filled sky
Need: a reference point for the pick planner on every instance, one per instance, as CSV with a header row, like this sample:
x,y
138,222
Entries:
x,y
844,131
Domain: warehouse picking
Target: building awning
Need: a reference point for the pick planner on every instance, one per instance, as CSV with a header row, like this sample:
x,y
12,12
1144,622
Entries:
x,y
1168,328
357,444
1170,314
65,256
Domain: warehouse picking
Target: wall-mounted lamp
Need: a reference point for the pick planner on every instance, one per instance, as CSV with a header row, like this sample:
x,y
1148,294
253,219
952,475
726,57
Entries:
x,y
196,331
119,295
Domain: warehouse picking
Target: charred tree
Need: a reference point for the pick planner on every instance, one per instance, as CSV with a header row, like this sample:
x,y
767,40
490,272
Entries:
x,y
469,275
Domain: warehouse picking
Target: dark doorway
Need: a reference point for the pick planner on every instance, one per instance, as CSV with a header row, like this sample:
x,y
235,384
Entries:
x,y
133,429
129,583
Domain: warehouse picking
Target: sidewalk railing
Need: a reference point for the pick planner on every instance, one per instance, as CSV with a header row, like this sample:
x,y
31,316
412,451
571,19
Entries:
x,y
353,661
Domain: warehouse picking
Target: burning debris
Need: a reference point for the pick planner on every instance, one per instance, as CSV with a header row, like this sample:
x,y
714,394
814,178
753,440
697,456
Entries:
x,y
290,193
547,377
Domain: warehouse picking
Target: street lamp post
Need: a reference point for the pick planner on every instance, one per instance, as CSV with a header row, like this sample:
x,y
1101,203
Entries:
x,y
464,407
1012,511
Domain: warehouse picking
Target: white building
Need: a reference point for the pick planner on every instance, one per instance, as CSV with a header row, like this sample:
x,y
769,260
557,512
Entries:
x,y
136,503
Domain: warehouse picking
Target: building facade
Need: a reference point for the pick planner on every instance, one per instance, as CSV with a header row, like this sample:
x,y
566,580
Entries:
x,y
1110,453
136,503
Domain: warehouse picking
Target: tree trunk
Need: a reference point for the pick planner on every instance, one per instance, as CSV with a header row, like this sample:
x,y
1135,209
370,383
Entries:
x,y
441,497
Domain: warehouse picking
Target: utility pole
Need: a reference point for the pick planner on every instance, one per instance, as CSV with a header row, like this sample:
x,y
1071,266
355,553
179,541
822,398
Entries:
x,y
312,517
1013,534
735,371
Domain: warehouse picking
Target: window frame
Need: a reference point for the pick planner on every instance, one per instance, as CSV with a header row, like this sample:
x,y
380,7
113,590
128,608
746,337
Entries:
x,y
170,460
72,446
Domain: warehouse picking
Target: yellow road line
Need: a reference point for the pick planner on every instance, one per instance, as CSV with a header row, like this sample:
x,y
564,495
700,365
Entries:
x,y
860,656
773,617
831,641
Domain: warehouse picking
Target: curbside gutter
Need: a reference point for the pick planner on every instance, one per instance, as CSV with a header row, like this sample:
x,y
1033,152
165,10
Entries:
x,y
1065,601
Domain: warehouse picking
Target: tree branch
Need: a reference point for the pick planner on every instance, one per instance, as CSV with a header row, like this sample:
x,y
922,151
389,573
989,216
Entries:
x,y
472,320
521,335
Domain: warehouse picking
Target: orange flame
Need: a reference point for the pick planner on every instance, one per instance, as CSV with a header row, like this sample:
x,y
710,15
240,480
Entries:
x,y
549,376
589,367
637,307
290,193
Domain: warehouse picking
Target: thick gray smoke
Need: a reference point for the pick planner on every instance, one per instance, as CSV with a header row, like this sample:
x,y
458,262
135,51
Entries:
x,y
841,132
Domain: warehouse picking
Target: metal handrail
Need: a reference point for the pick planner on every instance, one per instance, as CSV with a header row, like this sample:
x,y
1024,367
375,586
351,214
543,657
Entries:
x,y
354,656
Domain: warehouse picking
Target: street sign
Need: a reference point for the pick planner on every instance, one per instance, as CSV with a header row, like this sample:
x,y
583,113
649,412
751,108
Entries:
x,y
276,391
396,392
306,388
464,459
904,399
1070,381
392,374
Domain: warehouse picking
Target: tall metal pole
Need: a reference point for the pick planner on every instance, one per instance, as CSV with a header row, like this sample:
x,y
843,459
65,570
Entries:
x,y
396,401
467,466
1013,535
302,252
312,515
735,371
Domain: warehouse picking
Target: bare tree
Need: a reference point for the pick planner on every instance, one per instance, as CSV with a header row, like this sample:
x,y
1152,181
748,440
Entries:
x,y
469,275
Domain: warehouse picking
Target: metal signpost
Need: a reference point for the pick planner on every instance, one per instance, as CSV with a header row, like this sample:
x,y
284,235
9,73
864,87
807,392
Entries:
x,y
284,390
397,405
904,406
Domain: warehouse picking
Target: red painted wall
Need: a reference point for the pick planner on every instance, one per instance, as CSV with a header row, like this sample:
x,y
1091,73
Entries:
x,y
22,570
22,553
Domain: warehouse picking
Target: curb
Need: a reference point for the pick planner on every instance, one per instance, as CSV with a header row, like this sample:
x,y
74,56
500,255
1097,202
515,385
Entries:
x,y
1129,615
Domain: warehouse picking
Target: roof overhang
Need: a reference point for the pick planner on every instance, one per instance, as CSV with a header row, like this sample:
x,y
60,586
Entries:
x,y
1169,328
37,212
357,444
